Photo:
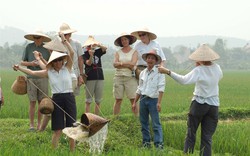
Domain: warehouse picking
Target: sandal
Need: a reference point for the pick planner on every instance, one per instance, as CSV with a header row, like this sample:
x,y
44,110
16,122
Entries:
x,y
31,129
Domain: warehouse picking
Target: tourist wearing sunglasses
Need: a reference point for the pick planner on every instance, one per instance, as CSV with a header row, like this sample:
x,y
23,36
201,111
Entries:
x,y
147,43
28,60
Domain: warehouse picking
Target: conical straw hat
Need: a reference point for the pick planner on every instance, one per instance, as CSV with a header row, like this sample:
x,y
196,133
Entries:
x,y
56,45
204,53
132,39
90,41
46,106
54,55
64,28
93,122
19,86
152,36
30,36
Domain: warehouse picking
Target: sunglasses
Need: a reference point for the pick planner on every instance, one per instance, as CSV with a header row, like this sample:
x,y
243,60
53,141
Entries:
x,y
140,35
37,37
56,60
67,34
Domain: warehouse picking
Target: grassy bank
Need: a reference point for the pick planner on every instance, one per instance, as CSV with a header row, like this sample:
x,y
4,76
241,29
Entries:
x,y
124,136
234,93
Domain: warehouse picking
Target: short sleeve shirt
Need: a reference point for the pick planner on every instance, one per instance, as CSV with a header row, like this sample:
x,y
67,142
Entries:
x,y
145,48
76,45
29,56
60,82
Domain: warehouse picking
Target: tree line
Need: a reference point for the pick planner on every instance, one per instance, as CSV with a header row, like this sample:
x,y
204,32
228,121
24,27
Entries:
x,y
177,57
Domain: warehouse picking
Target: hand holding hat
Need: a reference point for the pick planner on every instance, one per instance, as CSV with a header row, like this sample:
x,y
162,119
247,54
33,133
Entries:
x,y
91,42
37,55
61,34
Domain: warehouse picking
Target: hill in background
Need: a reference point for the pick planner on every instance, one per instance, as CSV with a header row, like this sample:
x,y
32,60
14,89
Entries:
x,y
15,36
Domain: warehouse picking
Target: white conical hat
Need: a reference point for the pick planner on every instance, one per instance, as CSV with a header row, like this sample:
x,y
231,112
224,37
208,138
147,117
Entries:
x,y
64,28
91,40
204,53
152,36
56,45
124,34
54,55
30,36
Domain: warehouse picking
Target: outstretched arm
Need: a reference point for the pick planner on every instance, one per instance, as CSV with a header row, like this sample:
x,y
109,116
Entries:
x,y
189,78
38,73
32,63
163,70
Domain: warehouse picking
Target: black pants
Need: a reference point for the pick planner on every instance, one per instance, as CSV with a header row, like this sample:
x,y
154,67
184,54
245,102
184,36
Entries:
x,y
207,116
64,114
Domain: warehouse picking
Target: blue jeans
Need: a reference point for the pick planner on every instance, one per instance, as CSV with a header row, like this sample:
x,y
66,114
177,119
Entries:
x,y
148,106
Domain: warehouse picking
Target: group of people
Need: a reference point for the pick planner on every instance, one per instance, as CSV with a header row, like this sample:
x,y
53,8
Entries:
x,y
139,73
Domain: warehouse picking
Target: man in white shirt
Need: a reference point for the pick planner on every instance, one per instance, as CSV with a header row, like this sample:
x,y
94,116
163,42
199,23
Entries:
x,y
150,91
77,60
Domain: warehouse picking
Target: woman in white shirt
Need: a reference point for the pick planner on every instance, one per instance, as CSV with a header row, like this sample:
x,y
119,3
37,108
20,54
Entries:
x,y
58,71
205,102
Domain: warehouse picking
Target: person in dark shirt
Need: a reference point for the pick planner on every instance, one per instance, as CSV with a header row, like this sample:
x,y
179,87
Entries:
x,y
93,72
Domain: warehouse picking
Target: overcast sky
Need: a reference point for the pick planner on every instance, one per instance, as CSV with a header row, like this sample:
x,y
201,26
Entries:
x,y
230,18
